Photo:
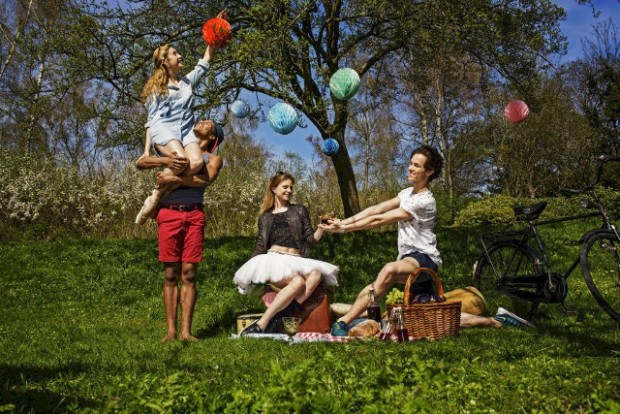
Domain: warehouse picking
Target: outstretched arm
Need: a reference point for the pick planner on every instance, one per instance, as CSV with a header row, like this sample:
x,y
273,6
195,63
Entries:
x,y
375,220
380,208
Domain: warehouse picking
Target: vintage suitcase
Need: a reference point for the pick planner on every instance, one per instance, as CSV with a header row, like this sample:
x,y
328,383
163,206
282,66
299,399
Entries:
x,y
246,319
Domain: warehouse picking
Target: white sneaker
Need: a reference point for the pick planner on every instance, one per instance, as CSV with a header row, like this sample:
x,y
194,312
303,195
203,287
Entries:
x,y
507,318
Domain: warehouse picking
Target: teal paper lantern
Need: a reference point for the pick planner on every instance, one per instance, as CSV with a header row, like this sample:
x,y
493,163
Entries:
x,y
240,108
344,83
330,147
283,118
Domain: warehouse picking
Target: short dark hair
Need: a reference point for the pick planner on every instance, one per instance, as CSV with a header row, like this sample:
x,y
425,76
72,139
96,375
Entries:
x,y
434,160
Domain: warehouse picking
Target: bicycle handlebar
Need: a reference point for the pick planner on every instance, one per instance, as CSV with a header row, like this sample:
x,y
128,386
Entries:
x,y
601,160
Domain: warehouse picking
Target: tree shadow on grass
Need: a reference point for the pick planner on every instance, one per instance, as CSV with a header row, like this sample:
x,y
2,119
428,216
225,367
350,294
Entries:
x,y
17,379
584,342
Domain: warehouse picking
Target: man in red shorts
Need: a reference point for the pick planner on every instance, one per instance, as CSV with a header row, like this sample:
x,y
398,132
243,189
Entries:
x,y
180,227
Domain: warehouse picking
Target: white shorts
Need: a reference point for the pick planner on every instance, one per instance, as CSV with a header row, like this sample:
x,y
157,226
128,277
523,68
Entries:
x,y
276,266
164,138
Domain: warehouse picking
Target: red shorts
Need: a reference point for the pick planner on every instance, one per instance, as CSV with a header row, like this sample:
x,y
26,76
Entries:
x,y
180,235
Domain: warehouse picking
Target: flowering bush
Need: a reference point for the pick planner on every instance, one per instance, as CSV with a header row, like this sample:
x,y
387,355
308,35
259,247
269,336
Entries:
x,y
46,201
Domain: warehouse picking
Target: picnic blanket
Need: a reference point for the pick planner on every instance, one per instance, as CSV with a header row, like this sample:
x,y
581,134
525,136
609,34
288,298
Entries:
x,y
310,337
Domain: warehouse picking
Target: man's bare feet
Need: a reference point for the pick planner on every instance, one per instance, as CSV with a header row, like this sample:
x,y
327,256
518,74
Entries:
x,y
168,338
188,338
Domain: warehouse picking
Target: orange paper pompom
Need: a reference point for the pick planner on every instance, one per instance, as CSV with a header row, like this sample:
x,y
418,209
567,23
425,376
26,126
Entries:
x,y
216,32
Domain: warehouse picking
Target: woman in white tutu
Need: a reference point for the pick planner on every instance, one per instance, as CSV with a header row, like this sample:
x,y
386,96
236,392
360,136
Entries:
x,y
280,257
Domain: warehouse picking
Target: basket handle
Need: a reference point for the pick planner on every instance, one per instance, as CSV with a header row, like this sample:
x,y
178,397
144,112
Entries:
x,y
414,275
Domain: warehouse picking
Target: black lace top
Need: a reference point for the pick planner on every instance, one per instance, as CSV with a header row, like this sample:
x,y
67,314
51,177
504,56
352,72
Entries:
x,y
280,233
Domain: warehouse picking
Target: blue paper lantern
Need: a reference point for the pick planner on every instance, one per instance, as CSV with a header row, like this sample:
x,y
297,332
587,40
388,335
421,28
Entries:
x,y
283,118
330,147
344,83
240,108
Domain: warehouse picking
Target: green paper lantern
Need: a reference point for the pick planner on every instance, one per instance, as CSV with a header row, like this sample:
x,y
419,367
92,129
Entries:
x,y
344,83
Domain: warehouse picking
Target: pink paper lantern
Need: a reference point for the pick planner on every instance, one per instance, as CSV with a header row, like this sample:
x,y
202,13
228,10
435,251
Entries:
x,y
516,111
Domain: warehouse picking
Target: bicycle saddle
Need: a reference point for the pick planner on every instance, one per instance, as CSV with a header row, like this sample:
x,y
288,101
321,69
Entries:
x,y
531,212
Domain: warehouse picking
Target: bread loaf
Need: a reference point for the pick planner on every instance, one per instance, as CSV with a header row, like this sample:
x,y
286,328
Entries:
x,y
365,329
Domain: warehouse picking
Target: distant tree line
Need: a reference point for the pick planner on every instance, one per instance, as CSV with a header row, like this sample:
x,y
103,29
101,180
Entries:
x,y
436,72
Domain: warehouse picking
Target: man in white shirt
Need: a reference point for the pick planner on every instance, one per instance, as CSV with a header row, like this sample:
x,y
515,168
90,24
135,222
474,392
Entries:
x,y
415,210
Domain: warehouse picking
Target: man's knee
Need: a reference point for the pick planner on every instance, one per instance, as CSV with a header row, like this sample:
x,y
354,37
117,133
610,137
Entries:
x,y
171,278
387,274
171,273
188,277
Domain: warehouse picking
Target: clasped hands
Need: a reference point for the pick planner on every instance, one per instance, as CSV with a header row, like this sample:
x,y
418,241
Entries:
x,y
332,225
177,164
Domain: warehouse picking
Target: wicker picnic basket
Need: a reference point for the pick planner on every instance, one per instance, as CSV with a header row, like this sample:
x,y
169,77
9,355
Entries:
x,y
433,320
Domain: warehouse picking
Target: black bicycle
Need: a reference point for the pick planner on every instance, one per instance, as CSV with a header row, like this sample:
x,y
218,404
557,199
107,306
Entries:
x,y
512,272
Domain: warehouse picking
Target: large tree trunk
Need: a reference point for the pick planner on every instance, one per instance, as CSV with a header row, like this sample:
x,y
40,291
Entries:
x,y
346,178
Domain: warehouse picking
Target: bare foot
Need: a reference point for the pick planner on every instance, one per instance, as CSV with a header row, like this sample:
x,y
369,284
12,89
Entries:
x,y
188,338
169,337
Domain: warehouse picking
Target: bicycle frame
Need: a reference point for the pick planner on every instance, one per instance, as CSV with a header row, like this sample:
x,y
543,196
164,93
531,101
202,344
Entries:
x,y
541,251
520,266
541,248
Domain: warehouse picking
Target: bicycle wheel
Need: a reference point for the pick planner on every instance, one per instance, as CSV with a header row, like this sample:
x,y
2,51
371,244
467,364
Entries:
x,y
600,264
497,267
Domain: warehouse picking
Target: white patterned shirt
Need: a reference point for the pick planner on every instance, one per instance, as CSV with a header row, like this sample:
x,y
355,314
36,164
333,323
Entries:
x,y
418,232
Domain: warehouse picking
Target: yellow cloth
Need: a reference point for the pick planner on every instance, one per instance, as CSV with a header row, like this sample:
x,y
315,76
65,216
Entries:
x,y
472,301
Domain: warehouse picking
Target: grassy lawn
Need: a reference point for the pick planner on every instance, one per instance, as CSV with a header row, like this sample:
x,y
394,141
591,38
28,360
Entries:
x,y
82,322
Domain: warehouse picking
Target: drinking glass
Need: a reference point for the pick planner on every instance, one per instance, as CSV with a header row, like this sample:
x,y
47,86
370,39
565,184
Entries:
x,y
291,326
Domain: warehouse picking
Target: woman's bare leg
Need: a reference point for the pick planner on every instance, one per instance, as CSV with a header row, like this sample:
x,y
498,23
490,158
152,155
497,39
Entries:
x,y
312,282
152,201
194,155
296,286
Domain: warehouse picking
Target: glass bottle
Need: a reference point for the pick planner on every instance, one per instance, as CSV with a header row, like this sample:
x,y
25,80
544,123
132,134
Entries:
x,y
373,309
402,334
386,329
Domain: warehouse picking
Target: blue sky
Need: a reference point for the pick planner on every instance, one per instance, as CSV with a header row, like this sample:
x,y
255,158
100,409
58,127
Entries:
x,y
579,21
577,25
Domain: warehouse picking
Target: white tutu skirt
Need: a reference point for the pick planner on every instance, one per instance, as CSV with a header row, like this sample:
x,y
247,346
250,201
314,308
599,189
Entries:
x,y
275,266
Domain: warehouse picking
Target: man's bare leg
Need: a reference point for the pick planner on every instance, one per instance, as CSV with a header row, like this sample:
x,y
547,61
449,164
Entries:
x,y
470,321
171,298
188,300
394,272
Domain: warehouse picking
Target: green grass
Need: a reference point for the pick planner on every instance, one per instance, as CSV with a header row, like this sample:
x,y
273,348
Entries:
x,y
82,320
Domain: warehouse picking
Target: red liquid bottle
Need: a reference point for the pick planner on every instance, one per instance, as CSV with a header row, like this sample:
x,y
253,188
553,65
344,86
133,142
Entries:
x,y
373,309
402,334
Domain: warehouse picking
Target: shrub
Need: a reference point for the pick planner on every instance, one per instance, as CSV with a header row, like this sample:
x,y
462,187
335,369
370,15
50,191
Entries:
x,y
498,209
